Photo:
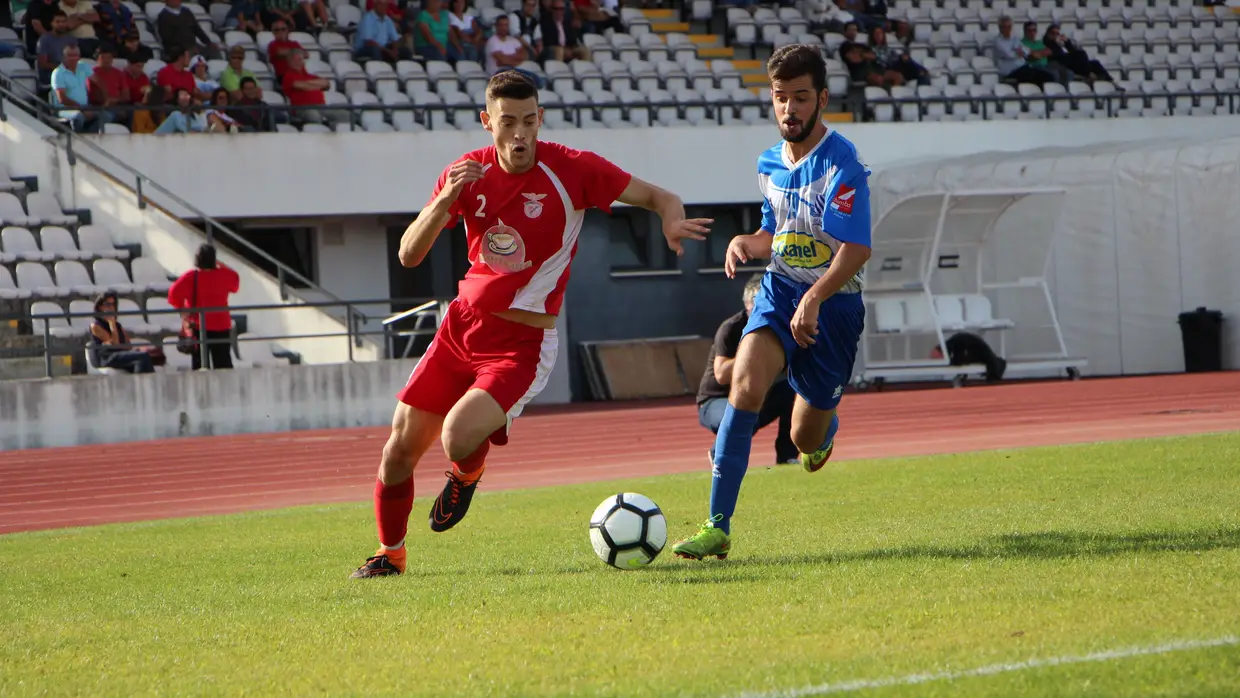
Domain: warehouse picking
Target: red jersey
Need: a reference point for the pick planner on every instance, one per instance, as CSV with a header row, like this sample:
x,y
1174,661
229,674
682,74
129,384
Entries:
x,y
214,286
522,229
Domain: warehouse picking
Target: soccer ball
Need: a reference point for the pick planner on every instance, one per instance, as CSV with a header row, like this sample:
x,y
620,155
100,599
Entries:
x,y
628,531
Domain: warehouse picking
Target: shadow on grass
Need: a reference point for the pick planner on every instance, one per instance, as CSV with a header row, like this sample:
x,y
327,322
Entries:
x,y
1048,545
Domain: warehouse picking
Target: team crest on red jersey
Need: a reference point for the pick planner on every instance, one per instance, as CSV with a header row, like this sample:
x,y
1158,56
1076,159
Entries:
x,y
503,249
533,205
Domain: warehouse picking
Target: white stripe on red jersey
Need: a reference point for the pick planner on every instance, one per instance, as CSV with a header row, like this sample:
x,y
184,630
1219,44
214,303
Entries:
x,y
522,229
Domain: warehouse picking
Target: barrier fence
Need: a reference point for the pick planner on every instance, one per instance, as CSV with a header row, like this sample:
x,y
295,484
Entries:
x,y
355,319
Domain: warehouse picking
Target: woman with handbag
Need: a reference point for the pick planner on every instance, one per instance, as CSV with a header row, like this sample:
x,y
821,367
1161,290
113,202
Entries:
x,y
110,342
208,285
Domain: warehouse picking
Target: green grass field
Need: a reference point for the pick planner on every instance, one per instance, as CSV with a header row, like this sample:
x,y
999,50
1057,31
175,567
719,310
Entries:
x,y
866,571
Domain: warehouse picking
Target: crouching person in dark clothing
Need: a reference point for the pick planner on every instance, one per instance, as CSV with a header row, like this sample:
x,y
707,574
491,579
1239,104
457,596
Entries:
x,y
712,398
964,348
110,342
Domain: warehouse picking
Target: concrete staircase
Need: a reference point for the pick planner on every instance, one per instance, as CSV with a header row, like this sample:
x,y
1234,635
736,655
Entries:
x,y
714,47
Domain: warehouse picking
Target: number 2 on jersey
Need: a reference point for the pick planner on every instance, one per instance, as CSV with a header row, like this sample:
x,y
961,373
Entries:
x,y
482,206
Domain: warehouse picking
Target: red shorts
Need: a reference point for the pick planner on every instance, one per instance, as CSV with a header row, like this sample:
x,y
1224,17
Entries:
x,y
475,349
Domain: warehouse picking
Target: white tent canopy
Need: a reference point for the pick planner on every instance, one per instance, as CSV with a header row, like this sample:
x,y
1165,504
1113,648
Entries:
x,y
944,263
1147,230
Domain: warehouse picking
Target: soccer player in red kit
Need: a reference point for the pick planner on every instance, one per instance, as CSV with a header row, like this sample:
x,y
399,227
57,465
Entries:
x,y
523,202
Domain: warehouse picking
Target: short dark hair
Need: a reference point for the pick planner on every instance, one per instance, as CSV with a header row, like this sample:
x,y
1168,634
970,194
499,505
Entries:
x,y
175,53
795,60
247,81
205,259
511,84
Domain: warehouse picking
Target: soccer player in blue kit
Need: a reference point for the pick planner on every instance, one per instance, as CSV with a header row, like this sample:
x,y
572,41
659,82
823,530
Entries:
x,y
808,314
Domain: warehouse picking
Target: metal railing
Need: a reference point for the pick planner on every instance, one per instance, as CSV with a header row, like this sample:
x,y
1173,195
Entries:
x,y
355,319
989,106
65,139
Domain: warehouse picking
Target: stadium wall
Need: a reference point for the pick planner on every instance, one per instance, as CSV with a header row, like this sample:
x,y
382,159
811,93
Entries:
x,y
1148,231
256,175
26,150
82,410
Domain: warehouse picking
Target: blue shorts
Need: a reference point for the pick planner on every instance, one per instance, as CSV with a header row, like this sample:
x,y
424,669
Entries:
x,y
819,372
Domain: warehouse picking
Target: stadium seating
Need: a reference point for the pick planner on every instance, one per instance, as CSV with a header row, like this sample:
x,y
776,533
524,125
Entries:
x,y
1168,57
49,271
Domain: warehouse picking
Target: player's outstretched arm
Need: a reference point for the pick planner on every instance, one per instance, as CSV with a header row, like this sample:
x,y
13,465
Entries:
x,y
424,230
671,210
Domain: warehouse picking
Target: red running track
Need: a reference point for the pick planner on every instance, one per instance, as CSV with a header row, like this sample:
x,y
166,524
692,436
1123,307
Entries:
x,y
81,486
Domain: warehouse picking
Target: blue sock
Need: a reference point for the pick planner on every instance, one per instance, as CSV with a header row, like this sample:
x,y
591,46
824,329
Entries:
x,y
835,426
731,461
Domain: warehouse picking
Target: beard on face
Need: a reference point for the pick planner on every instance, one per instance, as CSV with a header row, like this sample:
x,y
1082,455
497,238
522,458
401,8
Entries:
x,y
806,127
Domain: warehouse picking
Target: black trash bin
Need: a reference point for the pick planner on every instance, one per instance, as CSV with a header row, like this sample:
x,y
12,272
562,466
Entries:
x,y
1202,331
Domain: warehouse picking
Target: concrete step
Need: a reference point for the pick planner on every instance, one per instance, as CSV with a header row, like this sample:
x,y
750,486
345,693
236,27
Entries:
x,y
716,52
33,367
702,41
754,79
657,15
669,27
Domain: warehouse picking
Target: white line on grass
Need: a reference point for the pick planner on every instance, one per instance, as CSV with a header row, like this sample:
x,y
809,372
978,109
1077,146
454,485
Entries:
x,y
911,679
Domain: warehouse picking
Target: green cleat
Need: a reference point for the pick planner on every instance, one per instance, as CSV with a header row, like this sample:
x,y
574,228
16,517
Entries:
x,y
706,542
813,462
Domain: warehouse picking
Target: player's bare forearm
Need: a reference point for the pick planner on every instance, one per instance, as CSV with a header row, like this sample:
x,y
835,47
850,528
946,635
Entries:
x,y
847,262
759,244
652,198
422,232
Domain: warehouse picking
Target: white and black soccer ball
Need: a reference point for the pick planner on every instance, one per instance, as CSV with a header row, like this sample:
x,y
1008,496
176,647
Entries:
x,y
628,531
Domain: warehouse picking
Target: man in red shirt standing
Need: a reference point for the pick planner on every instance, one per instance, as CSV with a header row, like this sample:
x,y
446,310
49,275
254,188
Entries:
x,y
523,202
280,48
303,89
208,285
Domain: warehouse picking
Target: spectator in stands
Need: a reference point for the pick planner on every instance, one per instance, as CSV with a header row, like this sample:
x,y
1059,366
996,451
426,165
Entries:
x,y
245,16
562,39
1011,57
176,76
858,9
318,17
304,90
595,16
1039,55
850,38
203,82
70,92
280,48
712,397
395,10
81,17
903,33
109,85
214,283
52,46
1065,52
526,25
115,22
38,21
186,118
503,50
863,66
219,113
151,116
232,76
432,33
468,30
893,58
131,49
248,106
377,38
137,83
179,28
110,342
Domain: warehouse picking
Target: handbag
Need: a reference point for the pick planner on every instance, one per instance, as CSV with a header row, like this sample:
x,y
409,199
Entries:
x,y
187,340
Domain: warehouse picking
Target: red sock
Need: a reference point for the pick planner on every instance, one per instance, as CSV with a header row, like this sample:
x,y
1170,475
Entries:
x,y
470,469
392,506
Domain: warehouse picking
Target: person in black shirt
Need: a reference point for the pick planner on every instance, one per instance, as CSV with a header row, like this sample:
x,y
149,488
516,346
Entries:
x,y
964,348
712,397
